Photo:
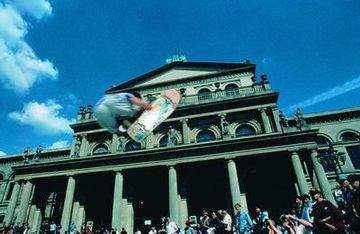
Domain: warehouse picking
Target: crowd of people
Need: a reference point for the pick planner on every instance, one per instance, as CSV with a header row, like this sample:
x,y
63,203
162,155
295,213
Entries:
x,y
311,214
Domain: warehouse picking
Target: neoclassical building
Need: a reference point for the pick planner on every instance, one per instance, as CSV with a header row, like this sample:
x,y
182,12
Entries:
x,y
229,144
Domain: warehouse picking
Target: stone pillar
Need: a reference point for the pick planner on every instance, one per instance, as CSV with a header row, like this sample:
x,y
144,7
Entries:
x,y
299,173
275,113
114,143
12,203
265,120
6,191
321,177
234,185
69,197
25,199
185,131
173,195
36,223
117,200
3,187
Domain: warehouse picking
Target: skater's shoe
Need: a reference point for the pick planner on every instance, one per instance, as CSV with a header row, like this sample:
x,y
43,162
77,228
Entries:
x,y
122,128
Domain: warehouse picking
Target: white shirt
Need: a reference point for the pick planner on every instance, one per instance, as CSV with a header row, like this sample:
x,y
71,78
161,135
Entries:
x,y
228,221
171,228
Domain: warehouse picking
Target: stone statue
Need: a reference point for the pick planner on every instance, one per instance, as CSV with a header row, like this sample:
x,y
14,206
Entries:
x,y
121,146
224,126
283,121
26,154
171,137
77,147
37,154
299,119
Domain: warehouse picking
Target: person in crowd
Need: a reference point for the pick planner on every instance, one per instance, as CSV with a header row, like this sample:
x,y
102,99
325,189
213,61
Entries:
x,y
260,220
350,217
271,228
327,217
153,230
338,195
355,182
227,221
123,231
204,222
307,208
188,229
162,228
52,227
242,221
138,231
294,225
298,206
73,228
215,225
171,227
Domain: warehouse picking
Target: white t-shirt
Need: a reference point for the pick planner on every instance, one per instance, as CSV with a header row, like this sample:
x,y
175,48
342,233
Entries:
x,y
171,228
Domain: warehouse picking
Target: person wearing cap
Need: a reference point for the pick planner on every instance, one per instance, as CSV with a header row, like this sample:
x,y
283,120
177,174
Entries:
x,y
188,229
327,217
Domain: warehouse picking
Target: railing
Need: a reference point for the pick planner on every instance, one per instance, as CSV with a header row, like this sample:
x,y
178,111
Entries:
x,y
222,95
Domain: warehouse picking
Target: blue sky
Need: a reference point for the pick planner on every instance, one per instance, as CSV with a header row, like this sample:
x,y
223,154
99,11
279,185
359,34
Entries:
x,y
57,55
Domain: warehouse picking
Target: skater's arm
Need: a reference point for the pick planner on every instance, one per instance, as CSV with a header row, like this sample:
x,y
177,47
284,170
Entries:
x,y
139,102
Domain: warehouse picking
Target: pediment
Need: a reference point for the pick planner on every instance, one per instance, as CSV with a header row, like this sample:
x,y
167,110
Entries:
x,y
176,72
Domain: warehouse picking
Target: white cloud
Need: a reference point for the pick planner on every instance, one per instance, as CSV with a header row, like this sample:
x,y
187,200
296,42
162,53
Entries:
x,y
2,153
44,118
331,93
20,68
59,144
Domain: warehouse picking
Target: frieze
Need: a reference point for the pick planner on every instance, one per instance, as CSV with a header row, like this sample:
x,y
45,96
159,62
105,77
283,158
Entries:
x,y
196,82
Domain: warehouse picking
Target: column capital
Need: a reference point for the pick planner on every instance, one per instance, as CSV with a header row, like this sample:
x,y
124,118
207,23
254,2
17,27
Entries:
x,y
171,166
262,109
184,120
222,115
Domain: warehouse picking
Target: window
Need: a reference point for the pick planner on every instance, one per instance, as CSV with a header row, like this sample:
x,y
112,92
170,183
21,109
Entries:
x,y
204,94
231,90
132,145
245,130
322,141
349,136
100,149
354,154
163,141
205,135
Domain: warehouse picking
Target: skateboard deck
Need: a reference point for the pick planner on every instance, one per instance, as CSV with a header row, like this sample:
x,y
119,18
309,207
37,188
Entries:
x,y
162,108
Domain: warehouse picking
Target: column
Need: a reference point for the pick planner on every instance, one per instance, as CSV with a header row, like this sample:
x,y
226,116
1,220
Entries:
x,y
6,191
173,195
25,199
118,193
321,177
12,203
114,143
299,173
234,185
69,197
3,187
265,120
185,132
275,113
83,146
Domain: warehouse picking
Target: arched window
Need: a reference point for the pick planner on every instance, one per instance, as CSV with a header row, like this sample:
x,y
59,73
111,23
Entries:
x,y
204,94
132,145
349,136
163,141
231,90
205,135
100,149
244,130
1,176
322,141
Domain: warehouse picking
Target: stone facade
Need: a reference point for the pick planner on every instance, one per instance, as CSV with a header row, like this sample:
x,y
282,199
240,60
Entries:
x,y
230,146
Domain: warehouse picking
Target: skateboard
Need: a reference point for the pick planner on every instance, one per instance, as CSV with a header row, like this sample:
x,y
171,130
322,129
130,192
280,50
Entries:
x,y
161,109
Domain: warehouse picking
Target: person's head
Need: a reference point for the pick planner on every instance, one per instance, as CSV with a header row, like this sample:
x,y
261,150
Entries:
x,y
346,184
224,212
305,198
213,215
237,206
257,209
187,223
298,201
315,194
205,212
354,180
